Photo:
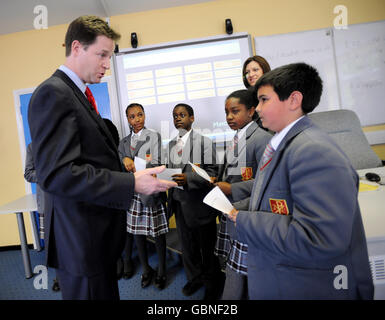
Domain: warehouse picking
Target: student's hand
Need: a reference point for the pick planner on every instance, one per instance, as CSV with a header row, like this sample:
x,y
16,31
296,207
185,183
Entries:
x,y
180,179
225,187
146,183
213,179
129,164
233,215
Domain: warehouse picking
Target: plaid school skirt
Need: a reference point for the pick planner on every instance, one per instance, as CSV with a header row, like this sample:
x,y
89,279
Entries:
x,y
233,251
148,221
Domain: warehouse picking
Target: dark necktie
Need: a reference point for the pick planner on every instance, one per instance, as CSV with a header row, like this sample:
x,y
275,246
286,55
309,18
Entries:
x,y
91,99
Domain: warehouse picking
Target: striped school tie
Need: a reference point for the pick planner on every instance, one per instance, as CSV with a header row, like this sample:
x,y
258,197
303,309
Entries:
x,y
179,146
134,141
267,155
235,140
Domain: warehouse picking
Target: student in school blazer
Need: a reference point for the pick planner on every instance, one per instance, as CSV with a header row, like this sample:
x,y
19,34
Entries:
x,y
198,150
243,166
149,147
196,221
298,251
78,167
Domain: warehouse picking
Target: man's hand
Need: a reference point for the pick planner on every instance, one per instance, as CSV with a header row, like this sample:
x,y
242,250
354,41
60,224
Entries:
x,y
129,164
146,183
225,187
180,179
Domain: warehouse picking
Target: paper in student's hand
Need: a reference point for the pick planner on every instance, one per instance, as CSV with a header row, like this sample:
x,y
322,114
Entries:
x,y
200,171
139,163
217,199
167,174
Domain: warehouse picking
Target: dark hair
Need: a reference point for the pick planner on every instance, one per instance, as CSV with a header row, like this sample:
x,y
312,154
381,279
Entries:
x,y
113,130
85,29
261,61
134,105
246,97
189,109
295,77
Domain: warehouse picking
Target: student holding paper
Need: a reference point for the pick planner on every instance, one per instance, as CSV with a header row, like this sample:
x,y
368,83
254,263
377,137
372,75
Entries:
x,y
241,163
195,221
303,227
147,214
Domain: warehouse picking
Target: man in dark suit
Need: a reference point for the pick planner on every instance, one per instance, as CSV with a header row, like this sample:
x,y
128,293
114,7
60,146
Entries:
x,y
195,221
78,166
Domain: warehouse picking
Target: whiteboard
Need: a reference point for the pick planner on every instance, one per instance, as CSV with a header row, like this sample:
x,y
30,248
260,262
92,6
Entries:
x,y
314,47
360,56
199,72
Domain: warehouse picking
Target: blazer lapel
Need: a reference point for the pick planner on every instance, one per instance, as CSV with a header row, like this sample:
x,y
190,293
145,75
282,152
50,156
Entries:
x,y
277,156
142,140
171,153
83,99
243,141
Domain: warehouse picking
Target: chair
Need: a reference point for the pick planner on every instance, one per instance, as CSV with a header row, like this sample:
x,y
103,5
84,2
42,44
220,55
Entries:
x,y
345,128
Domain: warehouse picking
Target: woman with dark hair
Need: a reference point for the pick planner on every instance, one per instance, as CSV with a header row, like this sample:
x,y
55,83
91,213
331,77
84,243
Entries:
x,y
253,68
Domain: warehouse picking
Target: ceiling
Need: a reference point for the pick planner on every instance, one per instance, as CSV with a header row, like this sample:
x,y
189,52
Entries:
x,y
18,15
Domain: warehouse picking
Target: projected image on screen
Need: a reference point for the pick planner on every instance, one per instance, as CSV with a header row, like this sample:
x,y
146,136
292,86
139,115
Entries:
x,y
199,74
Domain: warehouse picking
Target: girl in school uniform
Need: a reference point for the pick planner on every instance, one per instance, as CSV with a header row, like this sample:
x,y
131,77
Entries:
x,y
147,214
241,162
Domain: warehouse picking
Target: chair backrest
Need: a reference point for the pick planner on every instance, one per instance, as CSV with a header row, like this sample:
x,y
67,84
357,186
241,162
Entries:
x,y
345,128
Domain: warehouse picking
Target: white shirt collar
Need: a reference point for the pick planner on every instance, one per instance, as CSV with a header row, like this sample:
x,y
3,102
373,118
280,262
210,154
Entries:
x,y
185,137
242,131
278,137
74,77
137,134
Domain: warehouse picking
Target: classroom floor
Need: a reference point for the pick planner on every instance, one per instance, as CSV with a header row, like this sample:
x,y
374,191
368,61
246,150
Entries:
x,y
14,285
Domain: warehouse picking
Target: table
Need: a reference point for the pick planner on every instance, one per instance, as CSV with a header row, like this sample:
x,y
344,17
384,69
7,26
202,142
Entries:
x,y
26,203
372,205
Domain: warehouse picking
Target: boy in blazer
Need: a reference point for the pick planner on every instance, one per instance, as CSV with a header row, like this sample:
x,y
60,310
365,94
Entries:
x,y
78,167
195,221
303,227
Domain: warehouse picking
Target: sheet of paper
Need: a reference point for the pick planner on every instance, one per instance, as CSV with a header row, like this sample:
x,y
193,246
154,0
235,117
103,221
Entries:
x,y
368,186
140,164
200,171
167,175
217,199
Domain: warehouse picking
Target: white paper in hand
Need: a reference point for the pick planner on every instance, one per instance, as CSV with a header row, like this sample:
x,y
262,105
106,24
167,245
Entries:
x,y
217,199
166,174
140,164
200,171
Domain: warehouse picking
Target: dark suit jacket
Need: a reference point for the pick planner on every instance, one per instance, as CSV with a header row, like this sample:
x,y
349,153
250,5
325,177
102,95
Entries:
x,y
78,166
198,150
30,176
304,220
